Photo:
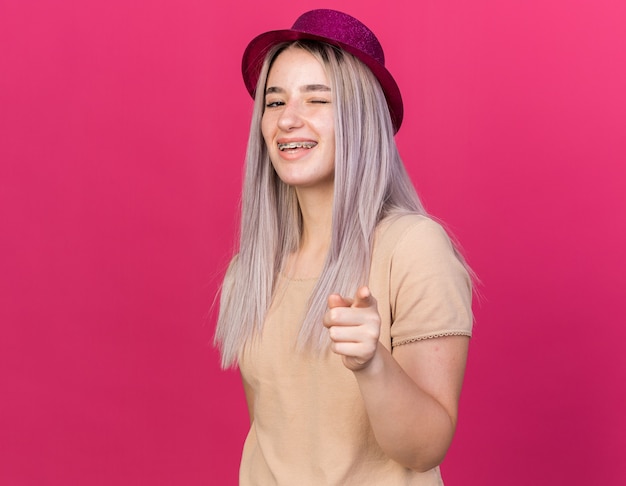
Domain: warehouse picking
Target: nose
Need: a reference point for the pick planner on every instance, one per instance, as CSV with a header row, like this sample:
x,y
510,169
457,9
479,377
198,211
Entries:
x,y
290,116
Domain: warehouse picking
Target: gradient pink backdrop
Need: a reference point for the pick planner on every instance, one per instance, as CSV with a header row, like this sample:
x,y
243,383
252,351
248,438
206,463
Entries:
x,y
122,133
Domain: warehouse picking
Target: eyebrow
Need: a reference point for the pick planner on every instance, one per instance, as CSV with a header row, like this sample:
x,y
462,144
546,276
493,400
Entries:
x,y
304,89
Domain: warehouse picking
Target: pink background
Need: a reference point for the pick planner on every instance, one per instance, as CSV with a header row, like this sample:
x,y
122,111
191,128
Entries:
x,y
122,133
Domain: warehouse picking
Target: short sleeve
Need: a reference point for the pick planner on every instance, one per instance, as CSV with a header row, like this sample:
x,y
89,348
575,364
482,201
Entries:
x,y
430,289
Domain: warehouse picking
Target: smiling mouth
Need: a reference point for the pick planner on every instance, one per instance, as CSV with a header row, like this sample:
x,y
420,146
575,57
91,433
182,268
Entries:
x,y
296,145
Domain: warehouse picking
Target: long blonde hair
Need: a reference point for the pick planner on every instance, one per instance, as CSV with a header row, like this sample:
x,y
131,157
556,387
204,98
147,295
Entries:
x,y
370,184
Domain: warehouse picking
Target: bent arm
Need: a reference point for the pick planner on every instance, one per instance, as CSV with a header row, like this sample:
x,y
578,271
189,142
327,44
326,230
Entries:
x,y
412,398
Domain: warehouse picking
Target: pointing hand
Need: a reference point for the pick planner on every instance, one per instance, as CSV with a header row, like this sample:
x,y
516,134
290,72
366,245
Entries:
x,y
354,328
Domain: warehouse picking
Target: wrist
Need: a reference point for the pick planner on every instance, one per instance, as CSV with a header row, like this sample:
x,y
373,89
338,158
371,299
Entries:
x,y
375,365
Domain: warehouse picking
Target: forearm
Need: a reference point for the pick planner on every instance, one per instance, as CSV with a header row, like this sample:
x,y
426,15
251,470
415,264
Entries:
x,y
411,426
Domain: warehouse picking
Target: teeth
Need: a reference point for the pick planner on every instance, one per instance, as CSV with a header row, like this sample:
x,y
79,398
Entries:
x,y
295,145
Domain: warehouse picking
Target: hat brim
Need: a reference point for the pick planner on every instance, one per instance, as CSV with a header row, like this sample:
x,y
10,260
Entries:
x,y
257,49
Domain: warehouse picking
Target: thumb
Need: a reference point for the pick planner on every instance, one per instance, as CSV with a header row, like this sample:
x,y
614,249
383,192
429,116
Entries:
x,y
364,298
336,300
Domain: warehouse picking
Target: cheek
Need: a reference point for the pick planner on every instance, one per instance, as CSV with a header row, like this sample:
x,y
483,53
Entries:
x,y
331,140
328,129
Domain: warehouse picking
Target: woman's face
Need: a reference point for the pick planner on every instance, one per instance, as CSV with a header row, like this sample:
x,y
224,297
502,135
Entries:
x,y
298,122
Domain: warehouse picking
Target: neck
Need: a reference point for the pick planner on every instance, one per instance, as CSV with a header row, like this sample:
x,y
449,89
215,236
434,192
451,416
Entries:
x,y
316,207
317,212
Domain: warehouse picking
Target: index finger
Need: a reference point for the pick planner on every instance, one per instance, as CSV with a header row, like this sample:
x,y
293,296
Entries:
x,y
364,298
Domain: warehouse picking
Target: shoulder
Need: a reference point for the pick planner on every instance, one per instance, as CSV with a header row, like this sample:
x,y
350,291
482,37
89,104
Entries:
x,y
422,279
415,233
416,248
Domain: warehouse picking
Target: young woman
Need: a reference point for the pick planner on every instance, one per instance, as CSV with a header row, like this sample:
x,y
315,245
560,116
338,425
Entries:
x,y
346,308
